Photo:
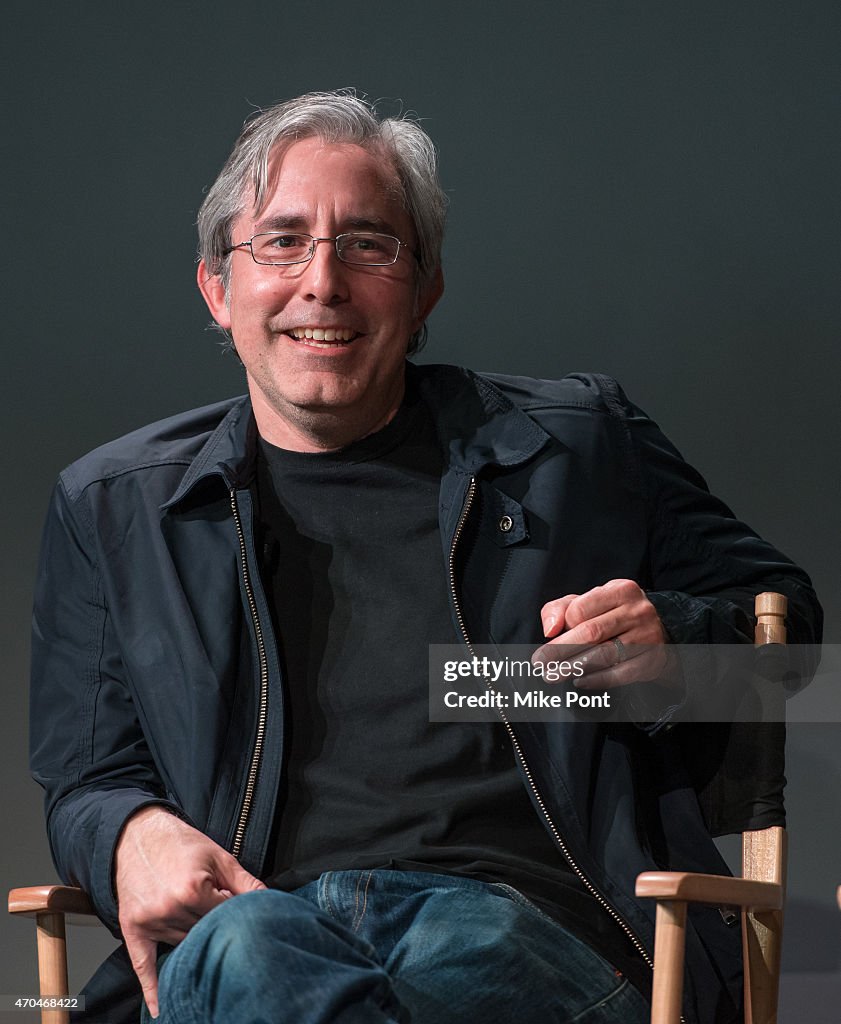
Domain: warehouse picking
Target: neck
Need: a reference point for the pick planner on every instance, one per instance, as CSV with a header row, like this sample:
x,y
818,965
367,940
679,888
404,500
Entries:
x,y
321,430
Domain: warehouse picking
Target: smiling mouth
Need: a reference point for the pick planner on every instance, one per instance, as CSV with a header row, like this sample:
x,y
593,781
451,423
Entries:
x,y
323,337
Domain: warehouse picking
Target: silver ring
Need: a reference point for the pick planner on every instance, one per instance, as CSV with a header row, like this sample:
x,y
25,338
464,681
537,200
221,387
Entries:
x,y
621,653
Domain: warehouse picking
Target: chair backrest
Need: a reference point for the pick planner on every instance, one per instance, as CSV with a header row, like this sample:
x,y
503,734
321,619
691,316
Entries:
x,y
765,850
738,768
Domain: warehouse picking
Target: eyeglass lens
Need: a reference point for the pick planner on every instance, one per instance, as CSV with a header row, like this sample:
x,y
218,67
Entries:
x,y
369,248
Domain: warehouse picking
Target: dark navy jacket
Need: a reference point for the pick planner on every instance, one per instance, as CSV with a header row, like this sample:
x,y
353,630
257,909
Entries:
x,y
155,671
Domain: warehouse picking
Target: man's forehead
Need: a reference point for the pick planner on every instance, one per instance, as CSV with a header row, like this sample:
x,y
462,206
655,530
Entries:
x,y
298,173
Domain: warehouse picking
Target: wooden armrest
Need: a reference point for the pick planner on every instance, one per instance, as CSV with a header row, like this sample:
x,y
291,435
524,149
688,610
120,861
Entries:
x,y
39,899
719,889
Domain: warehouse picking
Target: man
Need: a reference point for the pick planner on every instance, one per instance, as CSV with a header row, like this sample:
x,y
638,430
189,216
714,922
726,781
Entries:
x,y
231,630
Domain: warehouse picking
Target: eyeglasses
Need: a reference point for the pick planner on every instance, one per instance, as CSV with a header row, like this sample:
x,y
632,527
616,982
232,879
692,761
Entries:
x,y
281,249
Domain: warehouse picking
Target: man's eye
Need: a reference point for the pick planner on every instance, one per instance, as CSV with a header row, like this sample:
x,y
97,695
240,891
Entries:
x,y
287,241
364,243
280,248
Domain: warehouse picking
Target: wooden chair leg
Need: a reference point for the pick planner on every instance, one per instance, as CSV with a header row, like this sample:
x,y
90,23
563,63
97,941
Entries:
x,y
761,938
669,949
52,963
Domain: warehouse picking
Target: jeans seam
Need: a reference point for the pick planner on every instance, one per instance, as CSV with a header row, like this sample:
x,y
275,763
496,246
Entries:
x,y
325,893
523,901
358,921
600,1003
355,901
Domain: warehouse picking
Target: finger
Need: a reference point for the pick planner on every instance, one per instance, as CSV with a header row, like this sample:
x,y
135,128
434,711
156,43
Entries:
x,y
143,954
548,653
605,656
553,615
648,666
589,659
591,633
599,600
589,639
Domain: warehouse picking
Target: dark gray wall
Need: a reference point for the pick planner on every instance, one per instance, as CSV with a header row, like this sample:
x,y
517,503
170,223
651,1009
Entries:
x,y
673,168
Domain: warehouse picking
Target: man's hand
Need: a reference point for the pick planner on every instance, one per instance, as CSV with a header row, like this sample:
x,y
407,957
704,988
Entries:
x,y
167,876
588,626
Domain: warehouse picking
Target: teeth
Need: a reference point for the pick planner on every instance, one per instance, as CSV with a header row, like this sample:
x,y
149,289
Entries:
x,y
334,334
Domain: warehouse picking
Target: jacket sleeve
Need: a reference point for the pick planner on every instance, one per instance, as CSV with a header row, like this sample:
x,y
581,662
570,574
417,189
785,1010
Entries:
x,y
87,747
705,566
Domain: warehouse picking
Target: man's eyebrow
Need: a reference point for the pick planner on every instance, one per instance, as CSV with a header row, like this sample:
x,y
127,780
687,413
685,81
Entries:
x,y
297,222
370,224
281,222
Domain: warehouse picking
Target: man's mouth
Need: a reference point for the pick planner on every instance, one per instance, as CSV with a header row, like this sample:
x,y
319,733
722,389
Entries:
x,y
323,337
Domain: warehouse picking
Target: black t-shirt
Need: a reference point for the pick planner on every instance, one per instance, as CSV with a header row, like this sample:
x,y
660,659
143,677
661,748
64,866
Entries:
x,y
355,572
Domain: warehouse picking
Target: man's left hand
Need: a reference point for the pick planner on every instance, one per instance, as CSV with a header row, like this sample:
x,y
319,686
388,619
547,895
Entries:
x,y
613,629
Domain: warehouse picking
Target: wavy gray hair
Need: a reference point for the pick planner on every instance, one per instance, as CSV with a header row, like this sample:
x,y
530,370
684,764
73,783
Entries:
x,y
339,116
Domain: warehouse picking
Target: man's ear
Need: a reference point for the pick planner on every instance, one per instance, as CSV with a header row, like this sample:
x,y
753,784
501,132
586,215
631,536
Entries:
x,y
428,298
213,292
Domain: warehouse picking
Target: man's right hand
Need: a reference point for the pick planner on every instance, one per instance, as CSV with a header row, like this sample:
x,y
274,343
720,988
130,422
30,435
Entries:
x,y
167,876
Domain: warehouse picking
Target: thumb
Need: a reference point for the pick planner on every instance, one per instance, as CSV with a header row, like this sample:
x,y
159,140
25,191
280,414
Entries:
x,y
233,877
143,953
553,615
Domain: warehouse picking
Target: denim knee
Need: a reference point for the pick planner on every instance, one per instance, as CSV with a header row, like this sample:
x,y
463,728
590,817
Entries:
x,y
272,956
253,916
248,926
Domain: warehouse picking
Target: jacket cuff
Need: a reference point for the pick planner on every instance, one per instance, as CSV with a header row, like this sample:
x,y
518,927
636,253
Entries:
x,y
701,620
98,881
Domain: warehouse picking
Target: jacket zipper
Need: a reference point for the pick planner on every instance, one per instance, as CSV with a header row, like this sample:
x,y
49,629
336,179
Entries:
x,y
256,754
626,928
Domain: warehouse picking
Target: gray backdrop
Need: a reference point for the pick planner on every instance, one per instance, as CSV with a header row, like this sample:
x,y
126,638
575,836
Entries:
x,y
672,167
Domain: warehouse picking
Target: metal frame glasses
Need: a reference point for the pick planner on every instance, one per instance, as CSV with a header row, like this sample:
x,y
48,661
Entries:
x,y
358,248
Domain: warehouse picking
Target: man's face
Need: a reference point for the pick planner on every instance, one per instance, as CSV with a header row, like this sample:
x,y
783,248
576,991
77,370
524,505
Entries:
x,y
297,383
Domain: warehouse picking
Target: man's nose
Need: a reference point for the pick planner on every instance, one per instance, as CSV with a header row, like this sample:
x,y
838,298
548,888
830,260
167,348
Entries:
x,y
325,275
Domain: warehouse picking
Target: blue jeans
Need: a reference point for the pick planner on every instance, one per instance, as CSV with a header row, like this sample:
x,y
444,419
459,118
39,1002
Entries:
x,y
389,947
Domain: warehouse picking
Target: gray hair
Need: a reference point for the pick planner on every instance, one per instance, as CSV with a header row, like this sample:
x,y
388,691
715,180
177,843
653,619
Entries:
x,y
335,117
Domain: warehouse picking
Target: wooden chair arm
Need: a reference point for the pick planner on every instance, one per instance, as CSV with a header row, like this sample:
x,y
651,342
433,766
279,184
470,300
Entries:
x,y
689,887
57,899
48,904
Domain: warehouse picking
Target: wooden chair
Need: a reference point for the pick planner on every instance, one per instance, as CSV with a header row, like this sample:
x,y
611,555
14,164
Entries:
x,y
759,893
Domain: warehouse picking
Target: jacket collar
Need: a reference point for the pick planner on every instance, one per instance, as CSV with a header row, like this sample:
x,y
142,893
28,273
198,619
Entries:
x,y
230,453
477,426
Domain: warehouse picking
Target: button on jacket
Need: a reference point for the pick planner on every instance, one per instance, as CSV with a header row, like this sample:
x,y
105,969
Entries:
x,y
156,675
